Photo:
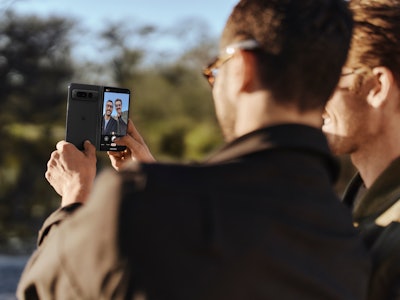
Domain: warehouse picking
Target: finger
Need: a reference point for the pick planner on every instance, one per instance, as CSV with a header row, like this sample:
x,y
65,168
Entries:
x,y
52,164
132,131
54,155
47,175
116,162
133,146
117,154
60,145
53,159
113,160
89,149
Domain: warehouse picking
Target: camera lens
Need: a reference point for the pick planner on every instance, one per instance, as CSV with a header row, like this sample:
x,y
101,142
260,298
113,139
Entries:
x,y
81,94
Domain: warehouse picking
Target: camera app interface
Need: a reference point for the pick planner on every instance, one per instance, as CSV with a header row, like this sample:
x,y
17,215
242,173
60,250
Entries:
x,y
115,117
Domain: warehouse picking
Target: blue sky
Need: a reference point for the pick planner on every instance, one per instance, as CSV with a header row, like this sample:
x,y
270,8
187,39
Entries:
x,y
94,14
162,12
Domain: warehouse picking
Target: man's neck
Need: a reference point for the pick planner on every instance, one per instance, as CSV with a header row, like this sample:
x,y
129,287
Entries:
x,y
259,112
374,158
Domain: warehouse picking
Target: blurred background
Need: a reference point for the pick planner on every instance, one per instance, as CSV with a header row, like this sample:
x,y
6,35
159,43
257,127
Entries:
x,y
155,48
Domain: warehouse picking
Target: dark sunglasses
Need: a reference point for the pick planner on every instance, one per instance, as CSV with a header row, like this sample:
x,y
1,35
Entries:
x,y
210,72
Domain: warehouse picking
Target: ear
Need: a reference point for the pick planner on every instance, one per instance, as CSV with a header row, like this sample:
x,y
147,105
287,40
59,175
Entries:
x,y
244,64
380,92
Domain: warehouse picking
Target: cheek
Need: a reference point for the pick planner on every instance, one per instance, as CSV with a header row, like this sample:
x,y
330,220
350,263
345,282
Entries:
x,y
217,96
342,112
352,115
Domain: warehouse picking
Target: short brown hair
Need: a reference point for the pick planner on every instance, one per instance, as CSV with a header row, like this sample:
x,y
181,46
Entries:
x,y
376,36
304,44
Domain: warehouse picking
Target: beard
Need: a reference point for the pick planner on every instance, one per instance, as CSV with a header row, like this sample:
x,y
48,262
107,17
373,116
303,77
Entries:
x,y
341,145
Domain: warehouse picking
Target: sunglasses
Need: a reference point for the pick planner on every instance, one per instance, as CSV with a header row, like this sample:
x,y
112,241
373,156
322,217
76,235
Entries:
x,y
210,72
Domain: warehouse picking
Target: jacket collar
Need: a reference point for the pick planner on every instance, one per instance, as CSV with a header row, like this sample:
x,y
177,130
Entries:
x,y
383,193
286,136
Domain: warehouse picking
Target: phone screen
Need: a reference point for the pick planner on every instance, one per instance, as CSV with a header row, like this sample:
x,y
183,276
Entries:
x,y
114,120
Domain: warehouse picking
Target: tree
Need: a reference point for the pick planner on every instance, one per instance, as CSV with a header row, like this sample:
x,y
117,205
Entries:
x,y
172,104
35,64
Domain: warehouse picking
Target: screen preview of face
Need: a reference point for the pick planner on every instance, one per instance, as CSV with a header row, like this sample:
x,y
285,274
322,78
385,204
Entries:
x,y
115,117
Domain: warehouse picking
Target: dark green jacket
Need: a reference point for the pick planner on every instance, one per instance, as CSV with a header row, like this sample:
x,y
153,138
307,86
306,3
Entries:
x,y
376,212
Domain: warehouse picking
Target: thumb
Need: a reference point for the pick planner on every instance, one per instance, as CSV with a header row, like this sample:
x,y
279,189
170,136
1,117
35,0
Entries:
x,y
89,149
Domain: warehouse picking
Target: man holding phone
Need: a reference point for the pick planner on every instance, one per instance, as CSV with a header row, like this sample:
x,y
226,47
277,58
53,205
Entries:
x,y
122,117
109,124
259,219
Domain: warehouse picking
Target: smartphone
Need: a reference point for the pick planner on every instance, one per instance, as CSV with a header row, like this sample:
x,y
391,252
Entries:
x,y
98,114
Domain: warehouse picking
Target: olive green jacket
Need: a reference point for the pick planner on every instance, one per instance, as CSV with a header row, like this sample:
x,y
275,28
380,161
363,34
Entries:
x,y
376,212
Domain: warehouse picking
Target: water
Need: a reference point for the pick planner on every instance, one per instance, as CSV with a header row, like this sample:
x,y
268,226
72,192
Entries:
x,y
10,271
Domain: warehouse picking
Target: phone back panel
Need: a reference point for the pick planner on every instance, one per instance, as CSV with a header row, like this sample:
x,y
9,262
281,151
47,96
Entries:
x,y
82,120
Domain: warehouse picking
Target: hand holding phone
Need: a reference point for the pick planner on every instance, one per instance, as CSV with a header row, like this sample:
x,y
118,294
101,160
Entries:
x,y
137,149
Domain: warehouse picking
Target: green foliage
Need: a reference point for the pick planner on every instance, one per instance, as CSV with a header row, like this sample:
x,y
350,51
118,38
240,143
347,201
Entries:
x,y
171,103
172,106
35,62
34,65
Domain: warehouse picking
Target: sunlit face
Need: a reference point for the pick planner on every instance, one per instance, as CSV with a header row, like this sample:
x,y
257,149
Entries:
x,y
224,86
118,107
109,108
224,103
348,118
